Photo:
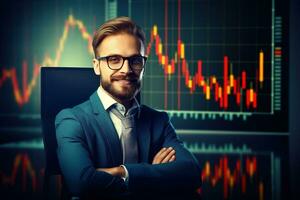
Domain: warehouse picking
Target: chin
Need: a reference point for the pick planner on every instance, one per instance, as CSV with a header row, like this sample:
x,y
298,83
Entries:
x,y
125,94
122,92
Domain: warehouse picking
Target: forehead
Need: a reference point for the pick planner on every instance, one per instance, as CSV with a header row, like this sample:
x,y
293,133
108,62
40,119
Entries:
x,y
121,44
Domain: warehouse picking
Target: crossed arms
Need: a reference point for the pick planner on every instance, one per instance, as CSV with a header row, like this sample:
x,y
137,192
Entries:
x,y
171,169
163,156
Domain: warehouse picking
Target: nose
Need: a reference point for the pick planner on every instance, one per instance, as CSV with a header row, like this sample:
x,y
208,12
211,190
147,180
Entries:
x,y
126,68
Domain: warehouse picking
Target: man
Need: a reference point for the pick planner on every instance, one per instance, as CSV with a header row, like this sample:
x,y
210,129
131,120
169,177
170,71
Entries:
x,y
102,156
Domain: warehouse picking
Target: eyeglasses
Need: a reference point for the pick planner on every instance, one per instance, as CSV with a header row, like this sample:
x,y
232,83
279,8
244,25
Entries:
x,y
116,62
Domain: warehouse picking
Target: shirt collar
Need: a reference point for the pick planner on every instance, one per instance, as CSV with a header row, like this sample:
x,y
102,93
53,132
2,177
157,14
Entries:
x,y
105,98
108,102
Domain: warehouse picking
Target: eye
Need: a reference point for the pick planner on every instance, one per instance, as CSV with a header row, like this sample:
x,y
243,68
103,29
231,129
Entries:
x,y
136,61
114,59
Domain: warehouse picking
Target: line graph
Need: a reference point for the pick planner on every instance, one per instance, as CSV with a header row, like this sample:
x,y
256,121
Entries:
x,y
211,86
22,172
216,70
233,167
23,97
235,86
221,172
23,165
224,85
240,167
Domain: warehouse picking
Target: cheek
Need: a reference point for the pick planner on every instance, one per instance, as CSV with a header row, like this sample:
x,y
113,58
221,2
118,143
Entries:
x,y
105,73
105,76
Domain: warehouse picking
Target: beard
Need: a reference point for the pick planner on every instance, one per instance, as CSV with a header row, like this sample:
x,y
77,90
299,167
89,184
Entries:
x,y
123,93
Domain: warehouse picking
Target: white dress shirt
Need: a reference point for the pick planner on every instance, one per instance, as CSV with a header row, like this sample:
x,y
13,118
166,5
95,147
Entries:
x,y
107,102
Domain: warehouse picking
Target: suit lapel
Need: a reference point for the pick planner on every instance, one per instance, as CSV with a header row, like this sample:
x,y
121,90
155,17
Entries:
x,y
143,135
108,129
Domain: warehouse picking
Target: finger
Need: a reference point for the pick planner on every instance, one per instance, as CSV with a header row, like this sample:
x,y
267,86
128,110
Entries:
x,y
168,157
172,158
155,159
161,151
164,154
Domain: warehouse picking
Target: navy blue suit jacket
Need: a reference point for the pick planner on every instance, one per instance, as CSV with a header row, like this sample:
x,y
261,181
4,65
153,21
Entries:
x,y
87,140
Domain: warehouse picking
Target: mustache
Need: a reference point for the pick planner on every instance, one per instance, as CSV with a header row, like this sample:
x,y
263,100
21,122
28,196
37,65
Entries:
x,y
128,77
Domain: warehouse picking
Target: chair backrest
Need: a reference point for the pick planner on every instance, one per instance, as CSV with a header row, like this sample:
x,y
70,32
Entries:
x,y
61,87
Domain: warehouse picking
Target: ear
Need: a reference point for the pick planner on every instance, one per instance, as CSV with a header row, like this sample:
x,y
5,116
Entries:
x,y
96,65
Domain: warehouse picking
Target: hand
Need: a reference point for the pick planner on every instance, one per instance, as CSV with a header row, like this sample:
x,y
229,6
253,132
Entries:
x,y
115,171
164,155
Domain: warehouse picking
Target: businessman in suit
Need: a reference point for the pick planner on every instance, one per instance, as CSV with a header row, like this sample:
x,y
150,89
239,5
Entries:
x,y
111,146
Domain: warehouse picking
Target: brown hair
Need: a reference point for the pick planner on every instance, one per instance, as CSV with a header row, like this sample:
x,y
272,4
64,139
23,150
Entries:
x,y
115,26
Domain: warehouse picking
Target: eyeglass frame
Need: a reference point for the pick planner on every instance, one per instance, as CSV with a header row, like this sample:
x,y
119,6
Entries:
x,y
124,58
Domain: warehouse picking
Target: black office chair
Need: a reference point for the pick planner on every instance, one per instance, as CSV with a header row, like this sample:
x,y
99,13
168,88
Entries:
x,y
61,87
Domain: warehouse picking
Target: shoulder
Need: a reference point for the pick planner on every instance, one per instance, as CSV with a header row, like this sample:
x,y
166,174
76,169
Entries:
x,y
69,123
159,122
74,113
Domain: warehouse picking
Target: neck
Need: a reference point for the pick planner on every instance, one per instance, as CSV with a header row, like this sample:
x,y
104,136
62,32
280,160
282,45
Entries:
x,y
126,103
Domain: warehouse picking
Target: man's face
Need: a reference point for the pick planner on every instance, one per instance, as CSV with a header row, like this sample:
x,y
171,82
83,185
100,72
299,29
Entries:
x,y
123,83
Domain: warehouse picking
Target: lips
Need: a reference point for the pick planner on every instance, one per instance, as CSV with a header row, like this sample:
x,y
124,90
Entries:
x,y
125,79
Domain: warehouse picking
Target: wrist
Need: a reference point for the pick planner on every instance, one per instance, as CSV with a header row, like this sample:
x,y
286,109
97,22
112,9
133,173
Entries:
x,y
121,171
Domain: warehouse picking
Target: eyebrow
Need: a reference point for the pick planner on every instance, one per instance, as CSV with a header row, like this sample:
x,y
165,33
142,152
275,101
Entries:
x,y
137,54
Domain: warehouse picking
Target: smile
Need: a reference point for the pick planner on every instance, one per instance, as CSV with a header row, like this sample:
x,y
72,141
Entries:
x,y
126,82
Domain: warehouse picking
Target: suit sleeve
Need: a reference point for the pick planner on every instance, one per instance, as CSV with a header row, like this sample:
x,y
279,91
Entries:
x,y
75,162
182,174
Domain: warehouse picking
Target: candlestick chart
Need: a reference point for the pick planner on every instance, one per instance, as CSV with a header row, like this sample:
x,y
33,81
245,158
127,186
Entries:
x,y
238,168
219,68
232,168
208,62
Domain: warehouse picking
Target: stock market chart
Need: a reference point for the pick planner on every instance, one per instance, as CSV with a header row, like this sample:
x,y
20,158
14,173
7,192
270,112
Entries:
x,y
218,68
